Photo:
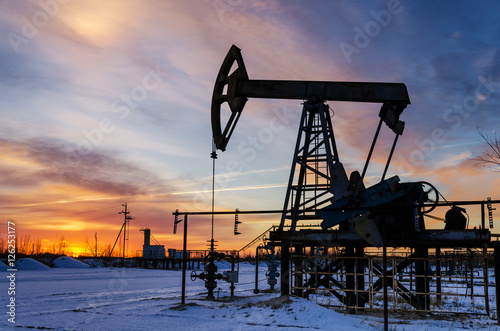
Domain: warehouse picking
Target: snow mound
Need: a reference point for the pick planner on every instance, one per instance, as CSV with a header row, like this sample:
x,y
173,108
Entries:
x,y
3,266
95,263
69,262
263,264
222,264
30,264
292,313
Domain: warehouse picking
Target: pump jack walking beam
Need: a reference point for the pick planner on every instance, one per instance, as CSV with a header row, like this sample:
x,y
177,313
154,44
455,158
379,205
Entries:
x,y
234,87
334,91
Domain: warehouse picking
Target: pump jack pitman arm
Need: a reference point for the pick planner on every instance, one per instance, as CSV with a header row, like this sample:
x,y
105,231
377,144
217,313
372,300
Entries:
x,y
235,88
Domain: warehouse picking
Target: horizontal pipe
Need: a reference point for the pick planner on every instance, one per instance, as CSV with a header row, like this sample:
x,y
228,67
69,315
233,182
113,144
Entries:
x,y
431,238
278,211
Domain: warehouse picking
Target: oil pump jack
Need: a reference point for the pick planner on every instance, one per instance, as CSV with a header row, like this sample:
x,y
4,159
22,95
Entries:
x,y
331,196
389,213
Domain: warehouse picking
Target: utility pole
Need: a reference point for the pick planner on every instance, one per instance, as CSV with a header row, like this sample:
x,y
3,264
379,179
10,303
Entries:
x,y
126,219
95,235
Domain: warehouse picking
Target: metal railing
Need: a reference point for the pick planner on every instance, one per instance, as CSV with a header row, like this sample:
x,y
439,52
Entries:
x,y
458,281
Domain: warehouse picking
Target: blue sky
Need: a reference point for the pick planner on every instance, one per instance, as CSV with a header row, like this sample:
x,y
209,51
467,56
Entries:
x,y
107,102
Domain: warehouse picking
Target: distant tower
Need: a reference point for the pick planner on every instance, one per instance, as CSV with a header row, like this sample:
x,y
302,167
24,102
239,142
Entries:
x,y
151,251
147,236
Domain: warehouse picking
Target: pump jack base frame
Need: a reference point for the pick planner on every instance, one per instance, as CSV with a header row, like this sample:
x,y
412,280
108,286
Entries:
x,y
294,243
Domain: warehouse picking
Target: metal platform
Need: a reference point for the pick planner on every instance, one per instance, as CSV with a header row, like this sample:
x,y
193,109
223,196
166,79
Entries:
x,y
426,238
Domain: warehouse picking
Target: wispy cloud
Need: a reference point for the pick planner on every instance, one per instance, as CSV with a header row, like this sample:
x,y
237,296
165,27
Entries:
x,y
44,162
239,188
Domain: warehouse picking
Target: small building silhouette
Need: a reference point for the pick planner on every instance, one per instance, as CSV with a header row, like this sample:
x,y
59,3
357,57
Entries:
x,y
151,251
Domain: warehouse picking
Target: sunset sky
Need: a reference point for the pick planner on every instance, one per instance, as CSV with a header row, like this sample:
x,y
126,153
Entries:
x,y
107,102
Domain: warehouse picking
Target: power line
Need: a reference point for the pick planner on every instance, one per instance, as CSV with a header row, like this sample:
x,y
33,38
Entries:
x,y
138,222
154,239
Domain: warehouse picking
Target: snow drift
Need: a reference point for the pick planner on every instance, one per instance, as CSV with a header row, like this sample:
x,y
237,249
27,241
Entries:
x,y
30,264
69,262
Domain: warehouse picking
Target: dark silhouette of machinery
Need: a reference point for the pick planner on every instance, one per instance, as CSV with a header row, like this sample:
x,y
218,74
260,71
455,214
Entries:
x,y
210,275
389,213
455,219
332,196
149,251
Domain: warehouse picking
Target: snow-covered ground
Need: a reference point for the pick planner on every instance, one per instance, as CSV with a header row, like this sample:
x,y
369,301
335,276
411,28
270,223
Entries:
x,y
145,299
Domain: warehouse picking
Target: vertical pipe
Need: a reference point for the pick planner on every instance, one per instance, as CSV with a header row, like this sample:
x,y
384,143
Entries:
x,y
272,281
496,256
422,281
384,284
438,276
285,268
384,267
184,261
214,157
471,268
485,279
256,290
371,293
427,280
411,269
483,216
232,275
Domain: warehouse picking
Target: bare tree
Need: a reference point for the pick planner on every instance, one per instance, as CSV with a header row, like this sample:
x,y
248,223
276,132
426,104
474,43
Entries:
x,y
88,248
61,247
24,245
37,247
490,158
